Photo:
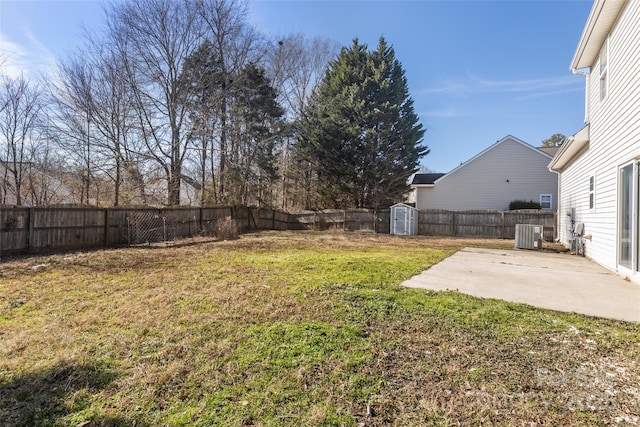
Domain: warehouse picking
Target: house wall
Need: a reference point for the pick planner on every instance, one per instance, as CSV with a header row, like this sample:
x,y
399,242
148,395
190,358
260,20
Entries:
x,y
481,183
614,142
37,188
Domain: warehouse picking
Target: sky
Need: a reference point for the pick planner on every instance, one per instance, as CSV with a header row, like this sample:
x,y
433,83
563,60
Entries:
x,y
477,70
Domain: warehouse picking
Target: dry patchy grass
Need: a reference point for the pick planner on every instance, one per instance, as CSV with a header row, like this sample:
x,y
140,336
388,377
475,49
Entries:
x,y
295,329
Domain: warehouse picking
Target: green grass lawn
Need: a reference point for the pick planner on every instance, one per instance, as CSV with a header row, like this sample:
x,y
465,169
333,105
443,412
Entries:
x,y
292,329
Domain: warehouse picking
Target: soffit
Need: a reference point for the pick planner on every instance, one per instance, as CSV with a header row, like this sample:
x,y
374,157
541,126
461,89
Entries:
x,y
599,24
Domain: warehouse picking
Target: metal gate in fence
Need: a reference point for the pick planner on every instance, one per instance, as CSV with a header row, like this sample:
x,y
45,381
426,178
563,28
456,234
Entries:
x,y
150,227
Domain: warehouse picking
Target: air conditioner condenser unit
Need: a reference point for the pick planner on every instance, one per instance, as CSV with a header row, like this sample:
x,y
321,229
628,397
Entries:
x,y
529,236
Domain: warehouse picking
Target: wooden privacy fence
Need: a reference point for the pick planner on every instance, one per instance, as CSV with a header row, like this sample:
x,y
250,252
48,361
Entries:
x,y
485,224
39,229
345,220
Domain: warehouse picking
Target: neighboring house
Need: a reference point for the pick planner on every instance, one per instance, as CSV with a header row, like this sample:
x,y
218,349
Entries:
x,y
155,192
509,170
550,150
598,167
38,187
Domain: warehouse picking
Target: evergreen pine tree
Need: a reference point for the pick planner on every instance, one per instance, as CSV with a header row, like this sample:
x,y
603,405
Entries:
x,y
360,130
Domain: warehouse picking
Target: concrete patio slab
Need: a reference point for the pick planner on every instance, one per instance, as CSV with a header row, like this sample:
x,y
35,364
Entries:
x,y
559,282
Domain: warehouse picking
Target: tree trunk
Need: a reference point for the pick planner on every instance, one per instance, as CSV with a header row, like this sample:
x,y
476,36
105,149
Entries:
x,y
174,186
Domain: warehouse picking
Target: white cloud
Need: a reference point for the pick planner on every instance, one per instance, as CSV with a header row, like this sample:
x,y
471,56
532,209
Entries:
x,y
529,88
553,92
13,57
452,88
448,112
31,58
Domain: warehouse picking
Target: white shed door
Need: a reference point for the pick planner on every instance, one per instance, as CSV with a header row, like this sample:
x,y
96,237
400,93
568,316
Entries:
x,y
401,220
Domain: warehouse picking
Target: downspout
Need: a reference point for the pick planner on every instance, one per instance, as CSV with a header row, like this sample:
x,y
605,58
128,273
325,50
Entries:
x,y
558,172
558,237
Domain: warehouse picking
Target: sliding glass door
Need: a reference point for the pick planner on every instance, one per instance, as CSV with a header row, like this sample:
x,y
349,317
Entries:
x,y
625,216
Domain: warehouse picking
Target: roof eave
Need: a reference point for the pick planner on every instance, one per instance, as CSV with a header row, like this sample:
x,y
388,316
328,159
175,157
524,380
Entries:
x,y
486,150
570,149
602,17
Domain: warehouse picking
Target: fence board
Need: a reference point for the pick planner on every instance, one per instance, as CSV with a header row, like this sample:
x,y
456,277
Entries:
x,y
436,222
486,224
280,220
383,222
265,219
478,224
14,228
360,220
302,221
117,226
186,221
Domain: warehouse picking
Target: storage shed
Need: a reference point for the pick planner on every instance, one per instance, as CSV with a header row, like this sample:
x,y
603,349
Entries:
x,y
404,220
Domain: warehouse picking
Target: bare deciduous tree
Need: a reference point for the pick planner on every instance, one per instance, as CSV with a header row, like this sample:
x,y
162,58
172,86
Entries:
x,y
72,122
111,109
22,105
157,99
296,65
234,44
155,37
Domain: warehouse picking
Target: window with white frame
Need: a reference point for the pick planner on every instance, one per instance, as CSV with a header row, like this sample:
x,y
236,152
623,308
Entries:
x,y
592,192
604,62
545,201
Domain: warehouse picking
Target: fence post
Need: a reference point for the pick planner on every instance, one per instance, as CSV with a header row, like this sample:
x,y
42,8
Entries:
x,y
344,220
375,221
201,222
455,225
502,222
31,234
106,227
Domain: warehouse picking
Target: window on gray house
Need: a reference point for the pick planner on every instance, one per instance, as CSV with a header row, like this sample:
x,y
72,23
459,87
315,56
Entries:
x,y
545,201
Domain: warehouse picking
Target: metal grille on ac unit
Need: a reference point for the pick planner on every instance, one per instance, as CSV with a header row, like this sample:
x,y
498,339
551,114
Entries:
x,y
528,236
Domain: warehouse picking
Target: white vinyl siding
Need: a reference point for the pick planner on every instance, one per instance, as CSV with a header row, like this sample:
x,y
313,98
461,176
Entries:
x,y
614,142
509,170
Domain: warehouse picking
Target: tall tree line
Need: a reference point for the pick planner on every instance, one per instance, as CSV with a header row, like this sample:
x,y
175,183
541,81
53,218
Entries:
x,y
177,102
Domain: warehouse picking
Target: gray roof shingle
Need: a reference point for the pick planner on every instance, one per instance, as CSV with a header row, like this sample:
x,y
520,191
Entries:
x,y
425,178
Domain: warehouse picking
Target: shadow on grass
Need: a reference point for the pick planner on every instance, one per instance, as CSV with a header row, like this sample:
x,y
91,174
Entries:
x,y
44,397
